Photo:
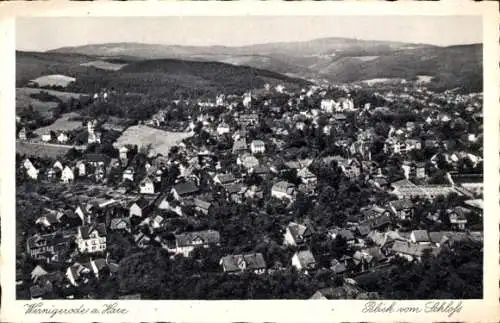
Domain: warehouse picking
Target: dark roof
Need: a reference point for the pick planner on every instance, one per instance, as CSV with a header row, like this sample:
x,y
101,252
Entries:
x,y
467,178
202,204
226,178
403,204
190,238
86,230
408,248
232,263
119,223
186,188
306,258
97,158
337,266
142,203
298,232
376,222
421,235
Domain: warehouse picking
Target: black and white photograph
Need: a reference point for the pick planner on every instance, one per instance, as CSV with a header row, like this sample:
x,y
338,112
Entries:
x,y
249,158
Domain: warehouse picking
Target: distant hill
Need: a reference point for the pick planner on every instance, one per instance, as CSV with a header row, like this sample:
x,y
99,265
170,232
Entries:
x,y
336,59
147,76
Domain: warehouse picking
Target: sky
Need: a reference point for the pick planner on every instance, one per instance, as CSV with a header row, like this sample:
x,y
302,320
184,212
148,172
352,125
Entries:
x,y
44,33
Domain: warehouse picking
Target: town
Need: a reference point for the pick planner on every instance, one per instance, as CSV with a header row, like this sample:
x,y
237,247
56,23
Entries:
x,y
328,191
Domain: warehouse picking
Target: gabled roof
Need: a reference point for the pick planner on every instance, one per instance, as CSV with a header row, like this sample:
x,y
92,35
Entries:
x,y
298,231
408,248
402,204
86,230
186,188
119,223
421,235
306,258
283,186
226,178
252,261
337,266
189,238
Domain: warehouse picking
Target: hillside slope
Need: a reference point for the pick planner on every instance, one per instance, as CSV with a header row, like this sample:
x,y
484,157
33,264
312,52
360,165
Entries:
x,y
336,59
160,76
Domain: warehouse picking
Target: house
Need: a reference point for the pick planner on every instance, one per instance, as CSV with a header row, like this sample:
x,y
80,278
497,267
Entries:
x,y
62,138
239,146
49,247
123,152
254,192
84,212
23,134
146,186
413,170
345,234
410,251
128,174
79,273
80,166
184,189
247,161
471,182
120,224
306,176
224,179
32,172
58,165
296,234
51,173
403,209
261,171
368,258
202,206
27,164
37,272
39,290
257,147
67,175
283,190
240,263
248,119
458,217
46,137
142,240
420,237
186,242
303,260
97,160
91,238
338,267
223,128
139,208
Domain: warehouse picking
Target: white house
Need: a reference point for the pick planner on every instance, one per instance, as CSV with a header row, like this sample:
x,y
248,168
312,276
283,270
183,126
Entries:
x,y
27,164
91,238
296,234
58,165
303,260
257,146
80,166
32,172
46,137
23,134
328,105
223,128
128,174
67,175
147,186
186,242
62,138
123,152
282,190
306,176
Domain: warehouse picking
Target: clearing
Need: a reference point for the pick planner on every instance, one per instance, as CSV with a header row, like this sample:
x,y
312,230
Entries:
x,y
161,141
103,65
41,150
62,124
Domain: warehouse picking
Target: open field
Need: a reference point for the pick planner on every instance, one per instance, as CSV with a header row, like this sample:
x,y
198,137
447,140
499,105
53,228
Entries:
x,y
103,65
161,141
24,99
41,150
61,124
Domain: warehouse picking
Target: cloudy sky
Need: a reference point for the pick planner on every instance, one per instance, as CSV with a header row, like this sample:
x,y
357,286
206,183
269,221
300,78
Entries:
x,y
42,33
